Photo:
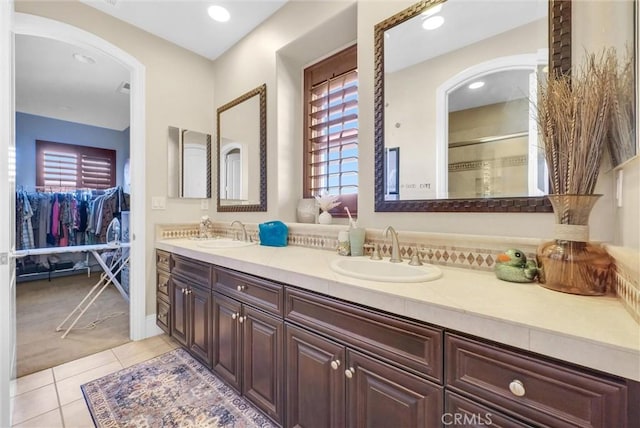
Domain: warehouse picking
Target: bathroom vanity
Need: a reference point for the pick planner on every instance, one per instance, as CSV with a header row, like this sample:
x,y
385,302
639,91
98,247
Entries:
x,y
313,348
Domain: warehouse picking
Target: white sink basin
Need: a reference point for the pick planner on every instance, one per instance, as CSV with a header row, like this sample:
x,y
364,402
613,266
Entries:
x,y
384,270
223,243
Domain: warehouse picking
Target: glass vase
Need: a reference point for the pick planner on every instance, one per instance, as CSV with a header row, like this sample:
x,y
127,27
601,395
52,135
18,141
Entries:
x,y
570,263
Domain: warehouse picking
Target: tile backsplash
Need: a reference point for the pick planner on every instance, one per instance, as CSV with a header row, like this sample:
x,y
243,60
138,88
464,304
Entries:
x,y
453,250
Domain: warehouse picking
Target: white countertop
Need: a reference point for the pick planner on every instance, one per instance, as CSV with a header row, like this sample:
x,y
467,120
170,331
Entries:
x,y
595,332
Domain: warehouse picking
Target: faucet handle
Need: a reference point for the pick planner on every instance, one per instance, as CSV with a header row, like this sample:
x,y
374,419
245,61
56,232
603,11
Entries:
x,y
375,254
416,260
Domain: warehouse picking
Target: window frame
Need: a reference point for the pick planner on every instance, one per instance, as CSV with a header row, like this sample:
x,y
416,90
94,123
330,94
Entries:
x,y
79,151
338,64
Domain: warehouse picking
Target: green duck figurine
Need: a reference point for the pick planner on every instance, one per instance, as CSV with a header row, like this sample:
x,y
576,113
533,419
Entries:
x,y
512,266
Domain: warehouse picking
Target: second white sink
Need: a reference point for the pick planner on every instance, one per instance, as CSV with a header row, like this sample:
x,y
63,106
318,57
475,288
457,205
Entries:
x,y
384,271
223,243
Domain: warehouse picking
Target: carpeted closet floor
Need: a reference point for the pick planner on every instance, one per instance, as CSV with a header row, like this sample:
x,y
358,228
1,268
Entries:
x,y
42,305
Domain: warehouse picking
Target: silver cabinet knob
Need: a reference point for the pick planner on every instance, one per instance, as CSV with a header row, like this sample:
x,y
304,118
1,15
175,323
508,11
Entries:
x,y
349,372
335,364
241,319
234,316
517,388
241,287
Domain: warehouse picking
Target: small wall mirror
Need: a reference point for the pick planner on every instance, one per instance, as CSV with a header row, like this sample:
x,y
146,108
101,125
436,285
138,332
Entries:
x,y
454,128
242,150
189,163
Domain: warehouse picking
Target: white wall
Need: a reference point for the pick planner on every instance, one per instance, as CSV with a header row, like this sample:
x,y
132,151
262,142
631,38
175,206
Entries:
x,y
275,53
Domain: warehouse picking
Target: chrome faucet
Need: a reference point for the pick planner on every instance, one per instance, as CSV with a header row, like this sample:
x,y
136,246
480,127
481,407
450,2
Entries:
x,y
243,231
395,247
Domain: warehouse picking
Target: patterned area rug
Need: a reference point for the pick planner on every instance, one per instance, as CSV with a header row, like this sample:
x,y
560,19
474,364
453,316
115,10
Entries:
x,y
172,390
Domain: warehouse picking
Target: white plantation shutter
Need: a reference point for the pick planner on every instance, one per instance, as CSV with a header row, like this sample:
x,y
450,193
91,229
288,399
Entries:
x,y
333,152
64,166
331,123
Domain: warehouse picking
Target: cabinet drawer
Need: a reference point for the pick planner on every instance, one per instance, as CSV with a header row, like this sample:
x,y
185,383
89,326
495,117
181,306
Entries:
x,y
162,315
162,284
461,412
195,271
163,260
416,347
260,293
547,393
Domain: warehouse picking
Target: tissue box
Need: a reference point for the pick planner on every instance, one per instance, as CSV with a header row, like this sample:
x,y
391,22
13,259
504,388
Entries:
x,y
273,234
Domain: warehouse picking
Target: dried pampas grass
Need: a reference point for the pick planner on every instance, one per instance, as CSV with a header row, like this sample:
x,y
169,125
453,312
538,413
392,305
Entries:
x,y
621,140
574,115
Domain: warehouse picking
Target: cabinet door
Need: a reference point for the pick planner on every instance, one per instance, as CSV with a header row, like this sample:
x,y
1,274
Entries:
x,y
179,312
315,380
200,323
262,361
380,395
227,344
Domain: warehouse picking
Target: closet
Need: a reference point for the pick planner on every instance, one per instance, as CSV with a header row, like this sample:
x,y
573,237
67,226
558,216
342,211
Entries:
x,y
72,150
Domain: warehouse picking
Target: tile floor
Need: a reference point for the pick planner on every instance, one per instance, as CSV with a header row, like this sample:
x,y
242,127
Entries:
x,y
52,398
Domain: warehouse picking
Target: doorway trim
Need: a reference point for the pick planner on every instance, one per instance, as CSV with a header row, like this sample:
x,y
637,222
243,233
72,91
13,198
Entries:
x,y
32,25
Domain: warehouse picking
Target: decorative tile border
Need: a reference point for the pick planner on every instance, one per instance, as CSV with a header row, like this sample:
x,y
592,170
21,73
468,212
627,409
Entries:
x,y
626,278
452,250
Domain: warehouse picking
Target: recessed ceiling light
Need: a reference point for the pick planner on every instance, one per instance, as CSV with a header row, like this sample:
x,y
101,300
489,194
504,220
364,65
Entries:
x,y
432,10
218,13
85,59
433,22
476,85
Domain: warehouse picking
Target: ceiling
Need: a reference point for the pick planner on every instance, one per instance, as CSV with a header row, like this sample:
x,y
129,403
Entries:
x,y
50,83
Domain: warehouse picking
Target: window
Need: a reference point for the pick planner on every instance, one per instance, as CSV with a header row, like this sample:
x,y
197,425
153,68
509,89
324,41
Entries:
x,y
69,166
331,124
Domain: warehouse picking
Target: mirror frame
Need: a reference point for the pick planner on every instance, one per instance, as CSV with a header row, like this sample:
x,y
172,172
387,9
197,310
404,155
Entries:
x,y
176,160
261,91
559,62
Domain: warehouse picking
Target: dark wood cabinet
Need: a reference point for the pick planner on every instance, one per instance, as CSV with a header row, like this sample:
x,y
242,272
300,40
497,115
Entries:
x,y
314,361
331,385
462,412
227,348
381,395
163,307
179,310
262,373
315,380
190,307
248,353
534,390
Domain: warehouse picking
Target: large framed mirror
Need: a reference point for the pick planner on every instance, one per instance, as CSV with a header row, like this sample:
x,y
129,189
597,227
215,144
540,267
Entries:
x,y
454,86
242,152
189,163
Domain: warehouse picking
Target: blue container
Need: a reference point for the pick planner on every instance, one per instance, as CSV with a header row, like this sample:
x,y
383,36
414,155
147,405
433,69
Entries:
x,y
273,234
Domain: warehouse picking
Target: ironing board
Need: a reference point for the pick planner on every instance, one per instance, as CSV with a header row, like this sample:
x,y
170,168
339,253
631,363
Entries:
x,y
118,261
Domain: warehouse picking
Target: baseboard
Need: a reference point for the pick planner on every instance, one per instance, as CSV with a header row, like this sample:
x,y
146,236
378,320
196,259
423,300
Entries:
x,y
151,329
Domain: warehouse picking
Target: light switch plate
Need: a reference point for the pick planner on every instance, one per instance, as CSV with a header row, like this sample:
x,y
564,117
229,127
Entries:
x,y
158,203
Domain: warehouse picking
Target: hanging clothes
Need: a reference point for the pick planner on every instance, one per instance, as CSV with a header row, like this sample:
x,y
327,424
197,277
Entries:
x,y
46,219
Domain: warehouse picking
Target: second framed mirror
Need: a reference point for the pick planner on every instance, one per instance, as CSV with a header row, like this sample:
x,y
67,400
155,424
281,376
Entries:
x,y
242,152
